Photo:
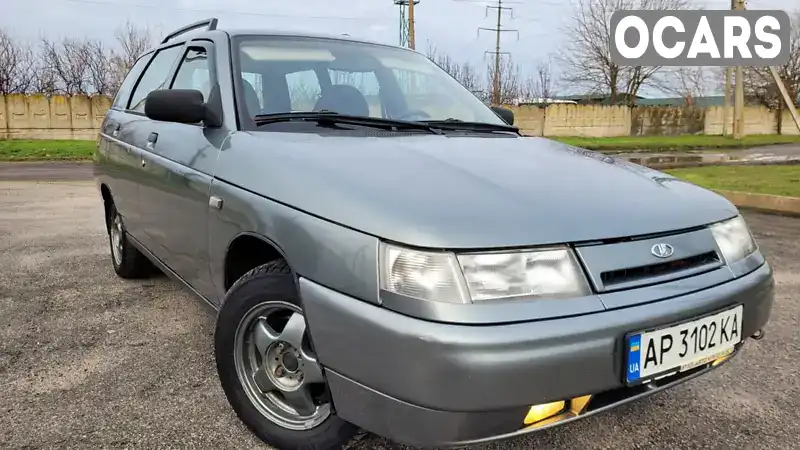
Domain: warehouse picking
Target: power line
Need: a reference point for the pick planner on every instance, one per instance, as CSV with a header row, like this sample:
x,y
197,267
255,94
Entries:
x,y
498,30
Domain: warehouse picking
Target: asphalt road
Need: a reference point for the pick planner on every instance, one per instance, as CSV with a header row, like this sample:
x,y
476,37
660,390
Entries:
x,y
45,171
88,360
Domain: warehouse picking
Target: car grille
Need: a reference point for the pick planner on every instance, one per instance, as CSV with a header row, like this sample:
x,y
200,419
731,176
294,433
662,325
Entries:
x,y
631,263
636,274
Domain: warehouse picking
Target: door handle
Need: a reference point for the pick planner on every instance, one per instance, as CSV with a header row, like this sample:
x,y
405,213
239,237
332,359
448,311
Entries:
x,y
151,141
115,131
144,162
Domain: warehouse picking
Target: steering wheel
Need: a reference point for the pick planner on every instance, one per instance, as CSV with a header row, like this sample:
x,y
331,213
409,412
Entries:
x,y
414,114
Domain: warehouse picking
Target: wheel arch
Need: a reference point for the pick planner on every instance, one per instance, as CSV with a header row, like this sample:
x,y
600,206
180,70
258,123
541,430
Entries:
x,y
108,201
247,251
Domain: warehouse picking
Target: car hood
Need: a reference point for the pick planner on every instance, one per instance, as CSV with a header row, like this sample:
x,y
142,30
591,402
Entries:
x,y
466,191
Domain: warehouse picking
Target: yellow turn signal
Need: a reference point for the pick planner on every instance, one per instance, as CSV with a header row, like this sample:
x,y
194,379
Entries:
x,y
543,411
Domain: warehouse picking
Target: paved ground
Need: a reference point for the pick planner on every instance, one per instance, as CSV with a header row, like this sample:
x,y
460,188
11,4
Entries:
x,y
775,154
50,171
90,361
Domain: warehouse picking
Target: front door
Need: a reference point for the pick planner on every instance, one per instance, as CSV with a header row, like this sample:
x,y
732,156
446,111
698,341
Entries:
x,y
179,162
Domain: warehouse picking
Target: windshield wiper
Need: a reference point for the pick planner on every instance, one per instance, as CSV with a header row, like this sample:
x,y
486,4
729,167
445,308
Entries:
x,y
457,124
331,118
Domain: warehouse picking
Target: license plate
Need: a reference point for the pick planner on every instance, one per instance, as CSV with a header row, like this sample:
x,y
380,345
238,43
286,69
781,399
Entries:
x,y
682,347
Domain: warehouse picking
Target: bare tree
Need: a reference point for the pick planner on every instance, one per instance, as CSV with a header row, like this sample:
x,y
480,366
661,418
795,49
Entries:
x,y
68,60
43,79
538,89
101,74
132,42
510,85
464,73
16,65
540,86
687,82
587,59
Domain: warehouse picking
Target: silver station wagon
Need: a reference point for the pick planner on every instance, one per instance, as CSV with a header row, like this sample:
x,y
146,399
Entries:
x,y
387,253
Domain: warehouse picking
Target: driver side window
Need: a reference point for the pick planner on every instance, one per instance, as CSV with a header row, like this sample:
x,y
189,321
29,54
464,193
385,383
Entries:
x,y
194,72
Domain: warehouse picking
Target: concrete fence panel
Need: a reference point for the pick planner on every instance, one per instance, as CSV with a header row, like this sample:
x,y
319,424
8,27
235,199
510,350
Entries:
x,y
760,120
716,120
17,107
587,120
3,118
81,110
100,105
787,124
529,119
60,113
39,112
667,121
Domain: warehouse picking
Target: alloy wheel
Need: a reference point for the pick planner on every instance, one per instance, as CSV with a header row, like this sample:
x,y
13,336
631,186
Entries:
x,y
277,367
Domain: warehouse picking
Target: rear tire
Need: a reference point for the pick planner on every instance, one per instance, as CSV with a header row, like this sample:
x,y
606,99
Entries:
x,y
266,299
127,260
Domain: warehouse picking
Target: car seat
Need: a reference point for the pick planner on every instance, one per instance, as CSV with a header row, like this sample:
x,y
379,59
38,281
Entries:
x,y
343,99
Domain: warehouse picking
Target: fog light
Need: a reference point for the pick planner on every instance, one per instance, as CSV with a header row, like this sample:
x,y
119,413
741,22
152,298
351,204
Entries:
x,y
722,358
543,411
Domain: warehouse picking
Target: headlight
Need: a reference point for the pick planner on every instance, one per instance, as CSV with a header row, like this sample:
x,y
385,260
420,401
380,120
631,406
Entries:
x,y
443,277
733,239
422,275
541,273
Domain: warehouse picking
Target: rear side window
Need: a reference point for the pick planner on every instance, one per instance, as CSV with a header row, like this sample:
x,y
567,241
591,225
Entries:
x,y
154,76
194,73
124,92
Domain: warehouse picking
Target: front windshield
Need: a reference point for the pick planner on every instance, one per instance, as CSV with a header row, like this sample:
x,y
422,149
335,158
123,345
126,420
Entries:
x,y
293,74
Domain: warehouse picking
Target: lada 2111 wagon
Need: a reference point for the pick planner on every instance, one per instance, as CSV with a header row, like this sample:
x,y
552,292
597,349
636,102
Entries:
x,y
385,252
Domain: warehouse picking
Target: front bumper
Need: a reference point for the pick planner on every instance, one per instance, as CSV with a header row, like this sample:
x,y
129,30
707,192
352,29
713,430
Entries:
x,y
432,384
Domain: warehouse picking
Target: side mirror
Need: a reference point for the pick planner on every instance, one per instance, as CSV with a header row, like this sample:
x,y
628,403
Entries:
x,y
176,105
506,114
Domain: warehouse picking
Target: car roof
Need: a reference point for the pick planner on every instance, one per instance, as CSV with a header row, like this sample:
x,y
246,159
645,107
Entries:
x,y
288,33
189,32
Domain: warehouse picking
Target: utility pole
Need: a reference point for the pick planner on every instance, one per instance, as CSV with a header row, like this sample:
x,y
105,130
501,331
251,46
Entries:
x,y
498,29
726,111
412,38
786,97
727,108
738,101
408,35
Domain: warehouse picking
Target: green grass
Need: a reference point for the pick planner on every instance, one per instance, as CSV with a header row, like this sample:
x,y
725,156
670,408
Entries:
x,y
46,150
676,143
776,180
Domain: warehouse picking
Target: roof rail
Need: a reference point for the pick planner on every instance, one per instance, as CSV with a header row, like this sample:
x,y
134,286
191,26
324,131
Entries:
x,y
210,24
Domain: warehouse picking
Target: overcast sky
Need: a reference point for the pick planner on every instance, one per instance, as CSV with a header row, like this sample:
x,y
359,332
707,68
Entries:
x,y
452,25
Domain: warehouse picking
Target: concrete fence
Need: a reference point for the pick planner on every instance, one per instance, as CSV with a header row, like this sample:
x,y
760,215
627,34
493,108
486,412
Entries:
x,y
79,117
55,117
605,121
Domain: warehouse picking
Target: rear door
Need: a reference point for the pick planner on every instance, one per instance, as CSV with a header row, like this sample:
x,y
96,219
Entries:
x,y
118,160
179,165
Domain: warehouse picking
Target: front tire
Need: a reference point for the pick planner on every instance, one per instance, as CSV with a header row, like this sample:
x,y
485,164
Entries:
x,y
267,366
